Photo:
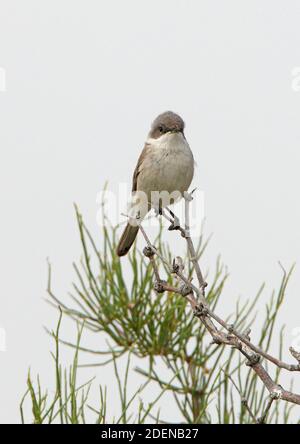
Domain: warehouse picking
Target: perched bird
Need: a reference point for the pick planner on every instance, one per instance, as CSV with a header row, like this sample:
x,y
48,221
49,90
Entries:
x,y
164,171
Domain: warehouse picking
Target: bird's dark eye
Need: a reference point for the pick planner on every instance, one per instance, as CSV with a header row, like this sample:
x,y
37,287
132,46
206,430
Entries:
x,y
161,129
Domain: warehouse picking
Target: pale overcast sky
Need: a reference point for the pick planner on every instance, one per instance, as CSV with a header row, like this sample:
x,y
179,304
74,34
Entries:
x,y
83,81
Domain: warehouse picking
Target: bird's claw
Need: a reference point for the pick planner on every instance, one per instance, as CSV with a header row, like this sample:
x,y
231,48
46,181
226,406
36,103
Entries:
x,y
175,225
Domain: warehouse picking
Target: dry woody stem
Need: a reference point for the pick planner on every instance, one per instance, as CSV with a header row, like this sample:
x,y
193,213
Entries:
x,y
228,335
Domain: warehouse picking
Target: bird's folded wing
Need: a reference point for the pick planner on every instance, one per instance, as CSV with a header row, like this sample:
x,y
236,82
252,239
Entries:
x,y
139,166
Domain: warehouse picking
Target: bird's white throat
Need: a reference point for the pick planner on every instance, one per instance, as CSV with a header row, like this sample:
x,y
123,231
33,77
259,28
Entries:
x,y
174,141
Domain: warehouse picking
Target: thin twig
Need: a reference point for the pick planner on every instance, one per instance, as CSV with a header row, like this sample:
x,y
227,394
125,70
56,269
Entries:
x,y
202,311
230,328
243,399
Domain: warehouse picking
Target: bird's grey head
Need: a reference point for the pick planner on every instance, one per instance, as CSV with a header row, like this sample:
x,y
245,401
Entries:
x,y
165,123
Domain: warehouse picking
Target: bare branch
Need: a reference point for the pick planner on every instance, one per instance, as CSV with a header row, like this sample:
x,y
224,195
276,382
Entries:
x,y
230,328
201,310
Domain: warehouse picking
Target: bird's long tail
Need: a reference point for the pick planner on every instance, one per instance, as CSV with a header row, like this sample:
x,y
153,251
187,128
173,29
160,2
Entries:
x,y
127,239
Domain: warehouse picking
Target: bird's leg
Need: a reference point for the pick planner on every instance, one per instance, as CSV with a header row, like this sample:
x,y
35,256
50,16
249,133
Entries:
x,y
138,215
157,211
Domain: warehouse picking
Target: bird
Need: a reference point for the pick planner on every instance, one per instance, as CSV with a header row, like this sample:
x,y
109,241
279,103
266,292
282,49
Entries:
x,y
164,171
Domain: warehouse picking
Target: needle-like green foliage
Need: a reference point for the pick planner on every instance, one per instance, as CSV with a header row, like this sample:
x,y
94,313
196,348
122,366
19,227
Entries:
x,y
209,383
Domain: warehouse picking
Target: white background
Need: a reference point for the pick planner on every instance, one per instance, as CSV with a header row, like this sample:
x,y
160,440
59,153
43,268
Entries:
x,y
84,80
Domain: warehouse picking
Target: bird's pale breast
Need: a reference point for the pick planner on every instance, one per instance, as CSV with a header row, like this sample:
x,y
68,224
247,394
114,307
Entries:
x,y
169,165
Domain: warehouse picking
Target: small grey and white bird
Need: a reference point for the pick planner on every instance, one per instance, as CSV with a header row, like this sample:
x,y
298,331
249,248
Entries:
x,y
165,168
